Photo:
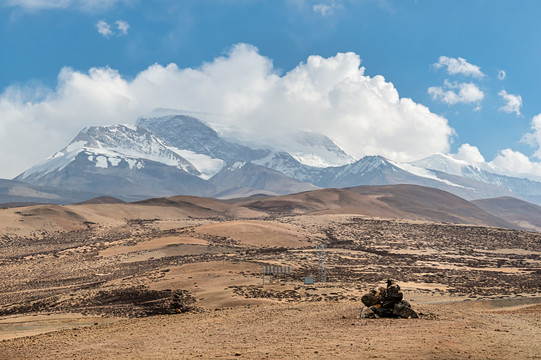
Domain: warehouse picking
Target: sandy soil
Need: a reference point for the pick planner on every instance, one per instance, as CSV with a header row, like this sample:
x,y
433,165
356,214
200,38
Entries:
x,y
259,233
305,331
153,282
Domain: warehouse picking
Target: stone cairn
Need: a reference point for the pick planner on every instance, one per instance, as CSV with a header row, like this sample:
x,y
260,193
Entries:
x,y
182,302
387,302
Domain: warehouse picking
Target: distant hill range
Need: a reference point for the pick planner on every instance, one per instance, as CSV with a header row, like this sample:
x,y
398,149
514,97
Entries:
x,y
406,202
171,154
521,213
17,193
391,201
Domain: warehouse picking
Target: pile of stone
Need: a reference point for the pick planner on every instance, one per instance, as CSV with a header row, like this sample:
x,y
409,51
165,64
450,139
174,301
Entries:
x,y
182,302
387,302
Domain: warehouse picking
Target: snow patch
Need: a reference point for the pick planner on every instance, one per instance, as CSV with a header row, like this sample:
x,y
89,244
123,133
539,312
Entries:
x,y
422,172
443,163
57,163
115,161
207,166
238,165
74,146
312,160
131,127
131,163
101,162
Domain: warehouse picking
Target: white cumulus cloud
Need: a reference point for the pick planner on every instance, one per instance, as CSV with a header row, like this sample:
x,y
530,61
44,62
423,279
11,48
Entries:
x,y
364,115
122,26
326,9
469,154
453,93
104,28
512,102
456,66
508,162
515,163
534,138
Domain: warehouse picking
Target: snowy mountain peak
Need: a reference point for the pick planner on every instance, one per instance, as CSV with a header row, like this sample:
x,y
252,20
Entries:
x,y
175,124
317,150
108,146
370,162
445,163
191,134
169,153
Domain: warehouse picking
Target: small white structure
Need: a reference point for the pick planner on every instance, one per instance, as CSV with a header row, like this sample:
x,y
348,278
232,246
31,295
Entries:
x,y
274,270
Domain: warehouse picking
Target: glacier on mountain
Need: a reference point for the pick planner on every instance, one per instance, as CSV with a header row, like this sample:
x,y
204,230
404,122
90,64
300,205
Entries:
x,y
422,172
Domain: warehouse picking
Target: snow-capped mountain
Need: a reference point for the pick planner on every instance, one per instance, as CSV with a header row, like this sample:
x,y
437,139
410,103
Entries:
x,y
173,154
245,179
193,138
288,165
133,162
118,160
444,165
309,148
109,146
377,170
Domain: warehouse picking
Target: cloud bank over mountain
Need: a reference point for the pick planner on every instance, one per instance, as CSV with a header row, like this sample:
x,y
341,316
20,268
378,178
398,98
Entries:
x,y
362,114
242,92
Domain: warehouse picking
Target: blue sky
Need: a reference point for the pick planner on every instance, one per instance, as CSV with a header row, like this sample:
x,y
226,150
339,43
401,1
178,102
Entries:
x,y
473,64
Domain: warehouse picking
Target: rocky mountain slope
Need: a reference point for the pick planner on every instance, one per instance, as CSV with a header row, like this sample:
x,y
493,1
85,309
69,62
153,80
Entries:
x,y
446,166
174,154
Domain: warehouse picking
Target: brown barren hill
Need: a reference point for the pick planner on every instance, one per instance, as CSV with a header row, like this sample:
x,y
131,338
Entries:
x,y
393,201
102,200
432,204
524,214
326,201
202,207
26,220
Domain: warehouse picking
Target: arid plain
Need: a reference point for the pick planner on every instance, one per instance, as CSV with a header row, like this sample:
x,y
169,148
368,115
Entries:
x,y
181,278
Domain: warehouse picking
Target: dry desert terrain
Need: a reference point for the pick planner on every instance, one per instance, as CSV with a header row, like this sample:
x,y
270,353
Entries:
x,y
181,278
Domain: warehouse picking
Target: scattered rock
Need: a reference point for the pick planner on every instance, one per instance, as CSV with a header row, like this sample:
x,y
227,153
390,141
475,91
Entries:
x,y
370,299
367,313
404,310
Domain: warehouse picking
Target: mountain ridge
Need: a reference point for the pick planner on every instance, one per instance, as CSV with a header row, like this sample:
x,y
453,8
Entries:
x,y
177,154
